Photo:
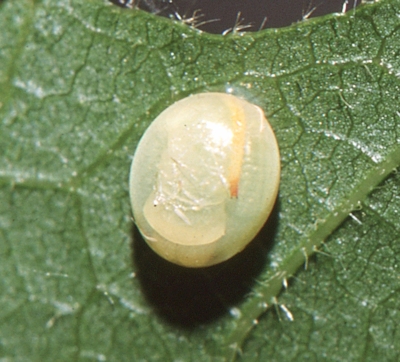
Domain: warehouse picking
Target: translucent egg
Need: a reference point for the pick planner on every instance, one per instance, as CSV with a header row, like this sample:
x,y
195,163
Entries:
x,y
204,179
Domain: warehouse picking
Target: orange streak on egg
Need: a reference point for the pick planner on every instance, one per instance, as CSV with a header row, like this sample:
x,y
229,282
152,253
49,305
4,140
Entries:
x,y
238,140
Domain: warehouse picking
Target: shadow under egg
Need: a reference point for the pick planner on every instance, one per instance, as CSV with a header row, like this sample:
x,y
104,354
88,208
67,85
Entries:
x,y
189,297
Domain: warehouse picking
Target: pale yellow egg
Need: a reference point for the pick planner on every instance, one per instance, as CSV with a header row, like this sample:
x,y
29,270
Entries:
x,y
204,178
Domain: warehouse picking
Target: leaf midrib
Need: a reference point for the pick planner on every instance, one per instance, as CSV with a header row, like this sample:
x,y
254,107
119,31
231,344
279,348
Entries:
x,y
308,245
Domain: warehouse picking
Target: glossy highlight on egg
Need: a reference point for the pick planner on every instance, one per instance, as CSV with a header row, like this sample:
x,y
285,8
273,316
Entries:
x,y
204,179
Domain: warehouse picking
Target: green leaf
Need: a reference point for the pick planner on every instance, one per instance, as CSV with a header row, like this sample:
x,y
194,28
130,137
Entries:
x,y
80,80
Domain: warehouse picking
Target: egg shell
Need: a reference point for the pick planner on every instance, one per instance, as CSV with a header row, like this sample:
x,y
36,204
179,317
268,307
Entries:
x,y
204,178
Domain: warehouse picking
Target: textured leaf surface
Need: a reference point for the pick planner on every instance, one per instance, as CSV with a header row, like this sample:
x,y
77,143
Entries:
x,y
79,83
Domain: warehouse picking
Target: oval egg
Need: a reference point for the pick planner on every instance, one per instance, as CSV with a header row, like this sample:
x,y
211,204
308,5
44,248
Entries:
x,y
204,178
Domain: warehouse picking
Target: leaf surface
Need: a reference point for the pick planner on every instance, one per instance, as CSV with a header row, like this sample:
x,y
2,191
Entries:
x,y
79,83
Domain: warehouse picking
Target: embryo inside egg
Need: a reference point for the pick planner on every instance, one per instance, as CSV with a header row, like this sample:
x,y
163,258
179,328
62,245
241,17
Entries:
x,y
200,181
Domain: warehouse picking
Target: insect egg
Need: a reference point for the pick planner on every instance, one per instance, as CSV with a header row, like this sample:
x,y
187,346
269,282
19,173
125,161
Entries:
x,y
204,178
